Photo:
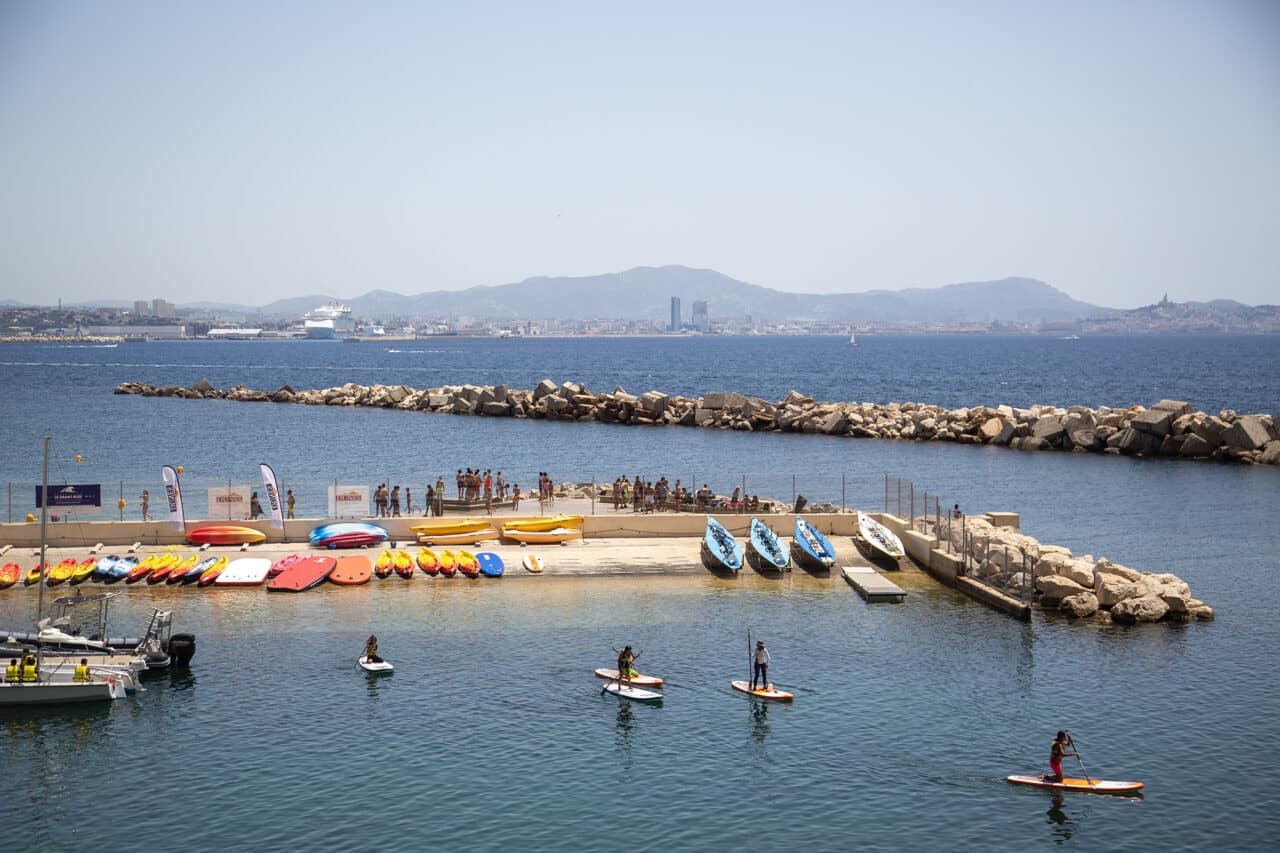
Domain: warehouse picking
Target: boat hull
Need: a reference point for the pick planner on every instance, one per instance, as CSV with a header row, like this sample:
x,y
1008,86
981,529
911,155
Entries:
x,y
720,550
766,552
225,534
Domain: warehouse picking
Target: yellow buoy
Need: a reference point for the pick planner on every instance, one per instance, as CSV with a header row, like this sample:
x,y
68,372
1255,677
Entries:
x,y
179,469
120,504
30,517
79,458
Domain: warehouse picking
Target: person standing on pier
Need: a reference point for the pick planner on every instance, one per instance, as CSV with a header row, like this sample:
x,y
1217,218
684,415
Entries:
x,y
292,502
255,507
145,497
760,661
395,501
429,503
440,495
515,496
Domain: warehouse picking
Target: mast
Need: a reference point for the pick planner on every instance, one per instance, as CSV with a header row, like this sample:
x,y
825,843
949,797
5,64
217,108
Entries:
x,y
44,518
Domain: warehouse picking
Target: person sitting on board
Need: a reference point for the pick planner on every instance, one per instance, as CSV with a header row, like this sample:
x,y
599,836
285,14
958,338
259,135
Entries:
x,y
82,671
1057,752
371,649
12,672
625,659
760,666
29,672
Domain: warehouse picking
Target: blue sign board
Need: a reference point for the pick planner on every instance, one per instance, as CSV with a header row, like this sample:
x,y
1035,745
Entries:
x,y
82,497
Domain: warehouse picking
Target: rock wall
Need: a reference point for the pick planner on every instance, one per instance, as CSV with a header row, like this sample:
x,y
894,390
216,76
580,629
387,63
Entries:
x,y
1078,586
1168,429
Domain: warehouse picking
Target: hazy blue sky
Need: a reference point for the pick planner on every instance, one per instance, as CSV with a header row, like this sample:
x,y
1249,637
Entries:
x,y
250,151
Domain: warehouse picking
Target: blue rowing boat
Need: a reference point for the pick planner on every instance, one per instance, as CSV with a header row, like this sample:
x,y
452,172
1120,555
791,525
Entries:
x,y
720,551
810,548
767,553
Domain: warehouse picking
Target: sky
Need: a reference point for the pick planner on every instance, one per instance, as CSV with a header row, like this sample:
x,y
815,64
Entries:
x,y
249,151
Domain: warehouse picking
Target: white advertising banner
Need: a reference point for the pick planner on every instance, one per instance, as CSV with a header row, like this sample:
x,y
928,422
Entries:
x,y
348,501
173,497
273,496
229,502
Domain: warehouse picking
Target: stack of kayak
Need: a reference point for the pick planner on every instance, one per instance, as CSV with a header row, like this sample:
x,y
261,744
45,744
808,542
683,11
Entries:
x,y
551,530
456,531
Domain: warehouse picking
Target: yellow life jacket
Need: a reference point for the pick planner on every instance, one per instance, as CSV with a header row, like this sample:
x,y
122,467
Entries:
x,y
29,672
82,673
11,673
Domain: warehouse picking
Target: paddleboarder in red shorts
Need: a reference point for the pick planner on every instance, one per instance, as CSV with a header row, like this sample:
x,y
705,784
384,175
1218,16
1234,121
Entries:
x,y
1057,752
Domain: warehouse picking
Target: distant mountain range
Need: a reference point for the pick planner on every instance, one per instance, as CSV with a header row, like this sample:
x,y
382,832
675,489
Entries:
x,y
645,292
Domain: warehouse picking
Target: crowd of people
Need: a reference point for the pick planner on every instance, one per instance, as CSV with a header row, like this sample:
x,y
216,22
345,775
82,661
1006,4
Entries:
x,y
471,485
660,495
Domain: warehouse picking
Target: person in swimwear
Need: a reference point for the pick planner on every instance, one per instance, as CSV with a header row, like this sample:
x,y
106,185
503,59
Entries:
x,y
1058,751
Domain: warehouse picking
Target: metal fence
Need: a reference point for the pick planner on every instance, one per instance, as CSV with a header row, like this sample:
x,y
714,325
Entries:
x,y
988,562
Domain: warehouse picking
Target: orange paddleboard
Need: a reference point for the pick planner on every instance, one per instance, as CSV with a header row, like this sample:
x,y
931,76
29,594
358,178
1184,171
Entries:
x,y
351,571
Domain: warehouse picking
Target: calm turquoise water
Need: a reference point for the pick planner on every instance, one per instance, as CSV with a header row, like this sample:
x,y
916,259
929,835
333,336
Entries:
x,y
492,734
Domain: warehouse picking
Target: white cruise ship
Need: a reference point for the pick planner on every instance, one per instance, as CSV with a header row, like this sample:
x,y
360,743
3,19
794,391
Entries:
x,y
327,321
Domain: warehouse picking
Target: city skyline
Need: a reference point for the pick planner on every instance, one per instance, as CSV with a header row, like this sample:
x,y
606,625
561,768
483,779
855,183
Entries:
x,y
1114,152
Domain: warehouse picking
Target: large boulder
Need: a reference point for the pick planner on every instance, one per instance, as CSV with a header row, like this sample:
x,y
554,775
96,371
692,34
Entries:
x,y
202,385
1270,453
1111,590
1136,441
714,400
495,409
1247,433
1126,573
1080,571
1079,606
996,431
1054,589
654,402
545,388
1195,447
1049,429
835,423
1177,408
1144,608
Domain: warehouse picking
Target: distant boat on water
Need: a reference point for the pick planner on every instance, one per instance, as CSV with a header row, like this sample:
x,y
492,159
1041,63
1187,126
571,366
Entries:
x,y
853,340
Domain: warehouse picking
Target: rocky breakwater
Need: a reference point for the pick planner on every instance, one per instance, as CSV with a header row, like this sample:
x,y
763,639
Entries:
x,y
1168,429
1077,586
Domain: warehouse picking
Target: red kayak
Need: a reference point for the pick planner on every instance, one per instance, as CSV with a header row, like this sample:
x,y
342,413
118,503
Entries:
x,y
280,565
225,534
302,575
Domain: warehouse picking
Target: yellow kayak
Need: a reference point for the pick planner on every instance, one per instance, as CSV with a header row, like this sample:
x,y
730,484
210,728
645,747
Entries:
x,y
82,572
470,537
550,522
447,526
542,537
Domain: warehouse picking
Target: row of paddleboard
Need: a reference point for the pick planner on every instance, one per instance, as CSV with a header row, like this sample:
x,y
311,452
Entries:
x,y
638,687
293,573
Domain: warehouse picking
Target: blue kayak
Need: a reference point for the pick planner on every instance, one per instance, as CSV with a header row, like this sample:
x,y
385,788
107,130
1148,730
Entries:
x,y
767,553
490,564
720,551
351,534
810,548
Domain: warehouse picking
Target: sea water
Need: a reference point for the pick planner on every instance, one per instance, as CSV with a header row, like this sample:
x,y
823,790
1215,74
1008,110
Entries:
x,y
492,733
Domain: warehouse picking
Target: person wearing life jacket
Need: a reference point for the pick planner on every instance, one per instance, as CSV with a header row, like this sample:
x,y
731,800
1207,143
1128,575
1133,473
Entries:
x,y
12,672
29,668
82,671
371,649
1058,750
625,659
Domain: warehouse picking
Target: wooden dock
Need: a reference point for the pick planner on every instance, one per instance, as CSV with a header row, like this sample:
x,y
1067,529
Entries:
x,y
872,585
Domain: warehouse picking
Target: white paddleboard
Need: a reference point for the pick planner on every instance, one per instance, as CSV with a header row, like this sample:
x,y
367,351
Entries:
x,y
374,667
247,571
635,693
532,563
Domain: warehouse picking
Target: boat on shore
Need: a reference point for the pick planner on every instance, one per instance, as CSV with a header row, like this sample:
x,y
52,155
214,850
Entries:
x,y
553,536
810,548
466,537
550,522
450,526
766,553
720,550
877,541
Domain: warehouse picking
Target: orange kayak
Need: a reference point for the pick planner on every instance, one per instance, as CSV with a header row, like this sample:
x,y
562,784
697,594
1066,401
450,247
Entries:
x,y
9,574
448,563
61,573
468,564
33,576
403,564
427,561
382,568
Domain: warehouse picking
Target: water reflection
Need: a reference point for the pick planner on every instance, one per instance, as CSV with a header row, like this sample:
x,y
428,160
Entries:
x,y
759,720
1061,826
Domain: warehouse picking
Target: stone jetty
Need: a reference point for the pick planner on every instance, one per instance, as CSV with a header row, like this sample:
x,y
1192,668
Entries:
x,y
1076,586
1168,429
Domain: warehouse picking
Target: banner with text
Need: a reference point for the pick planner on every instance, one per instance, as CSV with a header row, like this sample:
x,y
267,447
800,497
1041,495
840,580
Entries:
x,y
81,498
173,497
348,501
229,502
273,495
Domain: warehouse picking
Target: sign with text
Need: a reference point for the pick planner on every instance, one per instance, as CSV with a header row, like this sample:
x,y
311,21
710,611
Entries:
x,y
229,502
83,498
348,501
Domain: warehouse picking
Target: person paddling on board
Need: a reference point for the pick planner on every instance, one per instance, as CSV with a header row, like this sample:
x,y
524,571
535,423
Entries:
x,y
371,649
1058,751
625,659
760,666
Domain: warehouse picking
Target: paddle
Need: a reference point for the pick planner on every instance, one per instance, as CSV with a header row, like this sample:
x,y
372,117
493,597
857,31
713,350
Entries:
x,y
1071,741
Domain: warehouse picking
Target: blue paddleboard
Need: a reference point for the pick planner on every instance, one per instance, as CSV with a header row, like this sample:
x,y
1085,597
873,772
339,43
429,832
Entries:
x,y
490,564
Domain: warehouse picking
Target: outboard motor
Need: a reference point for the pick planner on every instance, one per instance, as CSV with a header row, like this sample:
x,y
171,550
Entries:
x,y
182,648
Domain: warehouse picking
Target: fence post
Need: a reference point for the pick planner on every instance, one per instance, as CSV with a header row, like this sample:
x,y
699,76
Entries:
x,y
11,501
899,506
842,492
593,494
886,494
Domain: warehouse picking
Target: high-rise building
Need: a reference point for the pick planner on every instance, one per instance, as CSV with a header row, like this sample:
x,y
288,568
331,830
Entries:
x,y
165,310
675,314
701,317
141,308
